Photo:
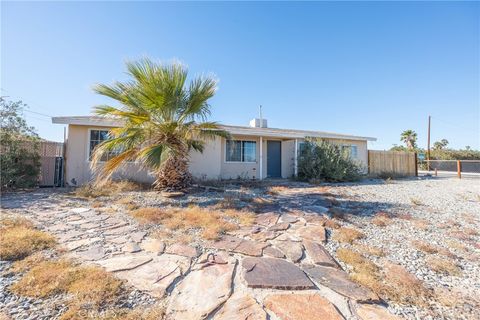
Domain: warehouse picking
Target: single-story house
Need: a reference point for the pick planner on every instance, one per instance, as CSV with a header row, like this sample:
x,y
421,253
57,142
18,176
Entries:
x,y
254,152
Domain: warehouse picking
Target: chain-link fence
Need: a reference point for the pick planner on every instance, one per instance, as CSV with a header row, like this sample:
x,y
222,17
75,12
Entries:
x,y
457,167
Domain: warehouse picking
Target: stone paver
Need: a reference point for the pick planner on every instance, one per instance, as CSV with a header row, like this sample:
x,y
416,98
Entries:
x,y
292,250
373,312
319,255
183,250
125,262
312,232
138,236
266,219
273,252
274,273
201,292
301,306
156,275
279,226
73,245
338,281
240,307
153,245
96,252
250,248
131,247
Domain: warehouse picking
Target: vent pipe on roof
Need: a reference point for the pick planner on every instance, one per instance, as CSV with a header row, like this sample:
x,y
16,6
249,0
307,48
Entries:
x,y
259,122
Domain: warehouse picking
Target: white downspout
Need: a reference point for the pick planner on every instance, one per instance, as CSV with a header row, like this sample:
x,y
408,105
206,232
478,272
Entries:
x,y
295,158
261,158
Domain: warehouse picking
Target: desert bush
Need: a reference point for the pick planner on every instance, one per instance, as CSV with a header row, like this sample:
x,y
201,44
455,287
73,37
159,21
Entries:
x,y
107,189
320,160
19,156
19,239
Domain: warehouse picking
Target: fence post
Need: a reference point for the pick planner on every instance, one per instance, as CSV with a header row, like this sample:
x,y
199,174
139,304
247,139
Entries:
x,y
459,169
416,165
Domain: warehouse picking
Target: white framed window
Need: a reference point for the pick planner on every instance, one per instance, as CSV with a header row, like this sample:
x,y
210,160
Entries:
x,y
96,137
240,151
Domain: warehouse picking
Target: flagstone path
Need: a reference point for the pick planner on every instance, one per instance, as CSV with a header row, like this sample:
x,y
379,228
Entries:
x,y
277,267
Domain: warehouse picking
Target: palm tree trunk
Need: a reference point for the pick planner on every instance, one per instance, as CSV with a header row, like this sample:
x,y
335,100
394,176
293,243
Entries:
x,y
173,174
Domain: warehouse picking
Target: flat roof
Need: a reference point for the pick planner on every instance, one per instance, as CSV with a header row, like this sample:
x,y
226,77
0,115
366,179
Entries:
x,y
236,130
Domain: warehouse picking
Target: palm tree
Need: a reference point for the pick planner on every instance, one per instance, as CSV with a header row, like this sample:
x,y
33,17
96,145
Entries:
x,y
409,137
162,118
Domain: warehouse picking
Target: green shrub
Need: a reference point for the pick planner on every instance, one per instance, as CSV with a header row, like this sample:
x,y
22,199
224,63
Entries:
x,y
19,156
320,160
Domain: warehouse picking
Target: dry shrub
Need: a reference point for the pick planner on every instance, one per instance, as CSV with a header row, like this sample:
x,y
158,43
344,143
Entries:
x,y
403,287
128,202
107,189
338,214
470,231
392,282
97,204
19,239
381,219
420,224
457,245
276,190
152,313
425,247
229,201
330,223
357,261
443,265
10,222
347,235
242,217
416,201
28,263
87,285
259,203
370,250
212,223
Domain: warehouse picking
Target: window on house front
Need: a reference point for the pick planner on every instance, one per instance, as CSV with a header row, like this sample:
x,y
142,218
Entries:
x,y
352,150
97,137
241,151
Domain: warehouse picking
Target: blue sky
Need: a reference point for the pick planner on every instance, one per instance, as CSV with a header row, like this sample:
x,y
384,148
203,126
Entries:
x,y
365,68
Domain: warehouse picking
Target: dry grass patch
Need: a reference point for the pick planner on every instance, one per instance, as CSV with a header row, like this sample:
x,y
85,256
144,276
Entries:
x,y
128,202
28,263
153,313
358,262
259,203
330,223
425,247
19,239
381,219
392,282
87,285
276,190
107,189
370,250
416,201
443,265
420,224
212,223
457,245
347,235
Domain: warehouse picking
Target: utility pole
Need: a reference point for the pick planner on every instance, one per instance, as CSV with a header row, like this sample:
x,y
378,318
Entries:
x,y
428,144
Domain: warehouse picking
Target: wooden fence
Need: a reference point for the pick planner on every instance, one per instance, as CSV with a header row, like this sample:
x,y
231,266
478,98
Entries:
x,y
396,163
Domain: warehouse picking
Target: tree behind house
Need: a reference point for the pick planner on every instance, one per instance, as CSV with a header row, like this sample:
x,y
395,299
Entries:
x,y
19,157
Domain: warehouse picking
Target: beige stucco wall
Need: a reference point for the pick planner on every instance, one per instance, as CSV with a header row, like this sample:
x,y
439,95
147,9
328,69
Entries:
x,y
210,164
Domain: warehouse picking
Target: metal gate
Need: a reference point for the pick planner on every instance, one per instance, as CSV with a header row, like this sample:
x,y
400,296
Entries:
x,y
51,164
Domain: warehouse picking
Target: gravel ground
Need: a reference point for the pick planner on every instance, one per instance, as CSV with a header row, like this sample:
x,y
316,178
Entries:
x,y
436,211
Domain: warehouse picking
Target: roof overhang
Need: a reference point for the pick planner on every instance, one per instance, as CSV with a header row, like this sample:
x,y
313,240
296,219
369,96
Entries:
x,y
234,130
